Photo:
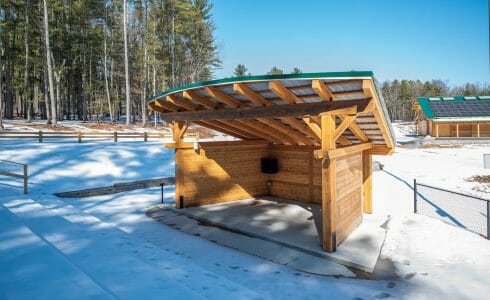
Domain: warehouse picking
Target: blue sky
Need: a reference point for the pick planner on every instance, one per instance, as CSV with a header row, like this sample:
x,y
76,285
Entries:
x,y
432,39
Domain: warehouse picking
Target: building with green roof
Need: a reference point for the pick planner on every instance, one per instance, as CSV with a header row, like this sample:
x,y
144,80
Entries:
x,y
458,116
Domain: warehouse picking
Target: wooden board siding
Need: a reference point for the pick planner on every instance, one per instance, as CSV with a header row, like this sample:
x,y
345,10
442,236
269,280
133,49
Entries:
x,y
223,174
298,173
293,182
218,175
464,130
349,195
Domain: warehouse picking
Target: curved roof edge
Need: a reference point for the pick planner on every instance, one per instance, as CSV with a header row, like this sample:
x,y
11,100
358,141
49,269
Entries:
x,y
263,77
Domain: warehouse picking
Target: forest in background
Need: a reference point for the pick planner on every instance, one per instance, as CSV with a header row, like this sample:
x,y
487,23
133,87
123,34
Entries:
x,y
103,59
83,59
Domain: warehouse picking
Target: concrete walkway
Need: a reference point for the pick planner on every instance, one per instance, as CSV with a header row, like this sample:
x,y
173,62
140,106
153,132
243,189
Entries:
x,y
291,225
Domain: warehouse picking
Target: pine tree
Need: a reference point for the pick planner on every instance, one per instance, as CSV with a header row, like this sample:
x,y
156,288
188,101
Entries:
x,y
275,71
296,71
240,70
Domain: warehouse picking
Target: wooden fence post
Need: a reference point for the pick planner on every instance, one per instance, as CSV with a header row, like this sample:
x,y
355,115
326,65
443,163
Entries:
x,y
40,134
115,136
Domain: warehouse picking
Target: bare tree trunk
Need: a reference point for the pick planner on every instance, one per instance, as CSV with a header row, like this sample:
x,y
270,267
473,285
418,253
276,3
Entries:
x,y
172,46
46,98
126,66
108,95
145,66
143,97
50,68
26,73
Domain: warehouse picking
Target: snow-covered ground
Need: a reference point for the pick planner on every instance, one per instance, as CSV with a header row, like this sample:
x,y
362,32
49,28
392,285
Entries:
x,y
106,247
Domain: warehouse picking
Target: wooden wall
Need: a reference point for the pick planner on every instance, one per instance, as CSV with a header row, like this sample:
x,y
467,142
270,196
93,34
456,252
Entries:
x,y
349,195
465,129
299,176
219,174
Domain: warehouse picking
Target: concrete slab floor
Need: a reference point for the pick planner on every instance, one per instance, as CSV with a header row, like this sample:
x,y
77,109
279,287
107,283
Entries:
x,y
268,250
294,225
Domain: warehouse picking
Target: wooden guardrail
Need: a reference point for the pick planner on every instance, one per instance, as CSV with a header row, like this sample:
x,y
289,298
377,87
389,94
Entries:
x,y
79,136
16,175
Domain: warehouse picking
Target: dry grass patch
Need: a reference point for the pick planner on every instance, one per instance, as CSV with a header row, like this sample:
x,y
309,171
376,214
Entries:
x,y
479,179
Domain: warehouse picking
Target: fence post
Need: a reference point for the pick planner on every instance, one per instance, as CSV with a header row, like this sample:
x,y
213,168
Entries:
x,y
115,136
488,220
79,134
415,196
25,179
145,135
40,134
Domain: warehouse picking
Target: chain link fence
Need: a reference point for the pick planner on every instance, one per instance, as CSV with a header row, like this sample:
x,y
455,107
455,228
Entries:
x,y
466,211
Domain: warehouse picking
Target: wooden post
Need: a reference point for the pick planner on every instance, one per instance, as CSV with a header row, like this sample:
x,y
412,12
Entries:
x,y
115,136
179,130
367,185
329,197
79,135
457,130
25,179
311,158
478,130
40,136
437,130
145,136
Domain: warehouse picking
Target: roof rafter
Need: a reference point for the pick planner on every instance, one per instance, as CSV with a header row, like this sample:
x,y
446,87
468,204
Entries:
x,y
254,97
322,90
223,97
181,102
191,95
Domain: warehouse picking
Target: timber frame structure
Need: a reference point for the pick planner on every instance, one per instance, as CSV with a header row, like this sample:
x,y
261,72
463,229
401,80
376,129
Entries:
x,y
321,130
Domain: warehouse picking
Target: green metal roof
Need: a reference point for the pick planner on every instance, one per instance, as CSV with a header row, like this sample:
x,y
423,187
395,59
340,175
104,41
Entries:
x,y
353,74
456,106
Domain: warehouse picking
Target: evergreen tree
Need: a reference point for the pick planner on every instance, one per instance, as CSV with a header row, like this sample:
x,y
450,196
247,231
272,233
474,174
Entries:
x,y
275,71
240,70
296,71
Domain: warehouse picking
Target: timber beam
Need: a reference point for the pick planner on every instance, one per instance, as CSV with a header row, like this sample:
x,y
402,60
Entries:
x,y
346,122
274,111
342,152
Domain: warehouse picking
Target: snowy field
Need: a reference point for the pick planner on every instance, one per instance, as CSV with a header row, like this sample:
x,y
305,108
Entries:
x,y
106,247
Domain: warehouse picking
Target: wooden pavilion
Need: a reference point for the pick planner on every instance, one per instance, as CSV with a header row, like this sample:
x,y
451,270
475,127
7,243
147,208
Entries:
x,y
304,137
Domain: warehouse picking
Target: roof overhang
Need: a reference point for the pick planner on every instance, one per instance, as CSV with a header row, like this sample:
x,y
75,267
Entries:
x,y
283,109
